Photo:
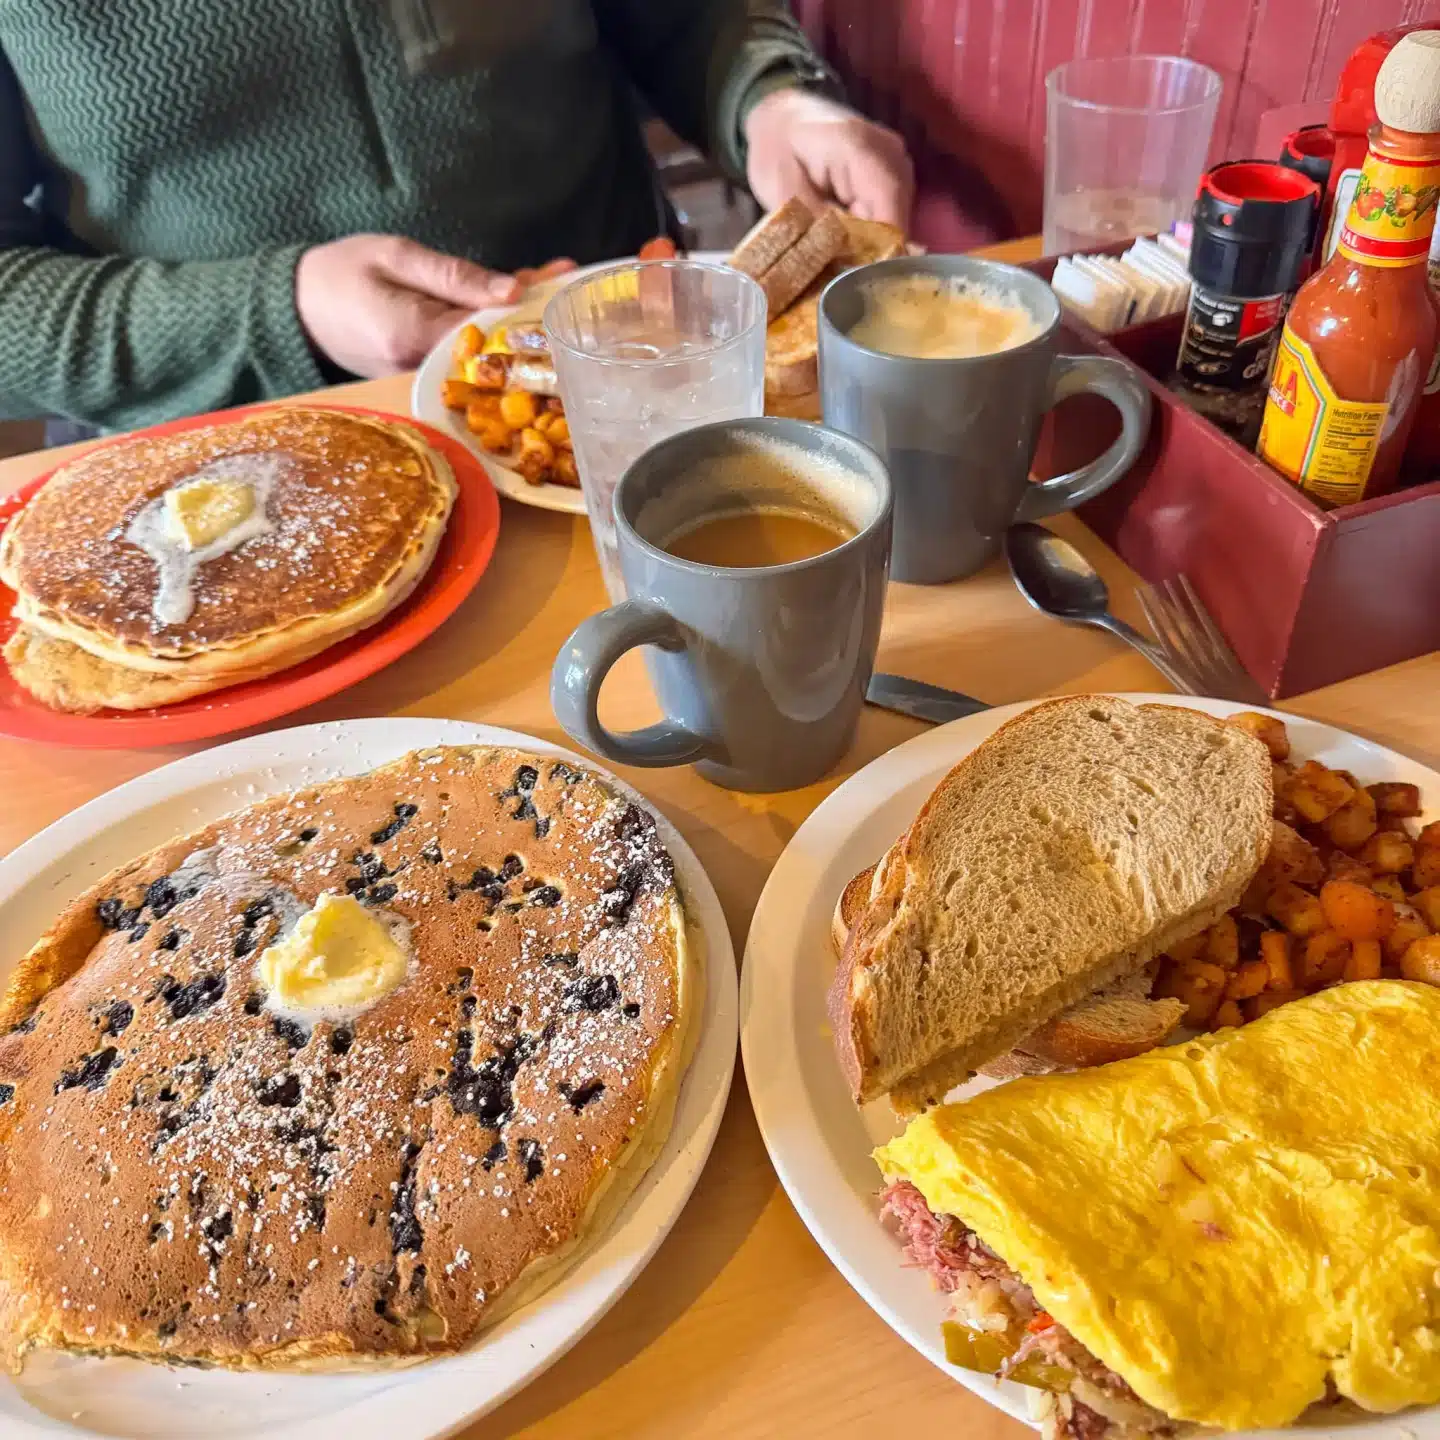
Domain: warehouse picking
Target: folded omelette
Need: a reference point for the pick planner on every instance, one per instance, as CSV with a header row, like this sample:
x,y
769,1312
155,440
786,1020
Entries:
x,y
1232,1228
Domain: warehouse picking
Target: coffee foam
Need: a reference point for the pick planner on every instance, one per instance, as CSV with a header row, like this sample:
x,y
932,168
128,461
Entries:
x,y
758,473
928,316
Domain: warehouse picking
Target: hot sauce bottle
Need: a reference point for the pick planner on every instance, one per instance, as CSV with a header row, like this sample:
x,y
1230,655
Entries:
x,y
1359,339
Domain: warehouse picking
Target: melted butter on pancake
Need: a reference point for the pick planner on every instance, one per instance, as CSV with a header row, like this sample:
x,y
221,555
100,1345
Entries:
x,y
199,512
340,957
215,511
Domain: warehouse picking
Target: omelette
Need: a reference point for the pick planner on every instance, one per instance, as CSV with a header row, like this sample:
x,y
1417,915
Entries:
x,y
1223,1232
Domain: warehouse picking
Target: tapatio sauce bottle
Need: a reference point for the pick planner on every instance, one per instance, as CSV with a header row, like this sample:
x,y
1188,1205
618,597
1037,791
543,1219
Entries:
x,y
1359,339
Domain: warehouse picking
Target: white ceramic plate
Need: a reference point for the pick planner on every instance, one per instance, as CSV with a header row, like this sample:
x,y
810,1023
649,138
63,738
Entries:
x,y
62,1398
425,396
818,1141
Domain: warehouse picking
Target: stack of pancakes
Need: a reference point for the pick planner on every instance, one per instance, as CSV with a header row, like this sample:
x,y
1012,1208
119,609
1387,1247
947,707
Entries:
x,y
166,566
192,1172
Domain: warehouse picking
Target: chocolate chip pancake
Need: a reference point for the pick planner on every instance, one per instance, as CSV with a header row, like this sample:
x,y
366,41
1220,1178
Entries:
x,y
164,566
344,1077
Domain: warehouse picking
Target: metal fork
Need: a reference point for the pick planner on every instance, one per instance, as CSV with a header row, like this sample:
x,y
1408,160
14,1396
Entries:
x,y
1193,643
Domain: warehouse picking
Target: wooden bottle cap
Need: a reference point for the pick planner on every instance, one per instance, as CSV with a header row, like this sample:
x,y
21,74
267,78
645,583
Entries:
x,y
1407,89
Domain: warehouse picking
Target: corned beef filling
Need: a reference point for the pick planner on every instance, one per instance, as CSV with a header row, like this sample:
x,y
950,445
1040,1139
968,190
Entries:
x,y
986,1294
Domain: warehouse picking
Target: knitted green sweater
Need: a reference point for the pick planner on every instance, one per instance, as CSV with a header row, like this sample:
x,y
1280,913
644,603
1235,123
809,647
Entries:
x,y
163,163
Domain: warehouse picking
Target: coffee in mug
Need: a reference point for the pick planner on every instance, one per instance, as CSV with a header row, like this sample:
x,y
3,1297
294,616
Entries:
x,y
929,316
946,364
768,510
755,556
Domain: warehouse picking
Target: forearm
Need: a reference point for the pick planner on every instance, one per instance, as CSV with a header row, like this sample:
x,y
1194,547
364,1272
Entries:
x,y
702,63
120,343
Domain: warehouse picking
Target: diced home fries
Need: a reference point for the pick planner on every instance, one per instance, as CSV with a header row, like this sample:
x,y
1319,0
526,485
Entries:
x,y
528,432
1348,892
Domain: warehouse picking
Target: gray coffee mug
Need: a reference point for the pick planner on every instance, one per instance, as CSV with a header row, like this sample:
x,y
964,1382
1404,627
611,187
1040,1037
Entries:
x,y
761,672
958,435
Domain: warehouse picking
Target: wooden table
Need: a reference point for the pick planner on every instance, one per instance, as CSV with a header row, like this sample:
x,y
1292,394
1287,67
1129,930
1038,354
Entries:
x,y
739,1326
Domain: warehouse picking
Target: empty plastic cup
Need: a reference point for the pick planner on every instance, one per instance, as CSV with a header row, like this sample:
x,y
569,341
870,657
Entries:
x,y
1126,138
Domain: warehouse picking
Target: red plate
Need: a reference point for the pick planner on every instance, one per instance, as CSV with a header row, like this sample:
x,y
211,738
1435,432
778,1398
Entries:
x,y
460,560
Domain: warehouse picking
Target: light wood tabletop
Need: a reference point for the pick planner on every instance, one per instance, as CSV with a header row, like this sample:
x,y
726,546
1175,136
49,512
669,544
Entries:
x,y
739,1326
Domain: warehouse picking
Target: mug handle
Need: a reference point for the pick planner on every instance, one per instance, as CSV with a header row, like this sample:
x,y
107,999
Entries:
x,y
1119,383
584,661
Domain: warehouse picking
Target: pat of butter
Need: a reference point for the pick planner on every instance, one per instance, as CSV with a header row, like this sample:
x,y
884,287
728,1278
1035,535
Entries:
x,y
339,956
198,514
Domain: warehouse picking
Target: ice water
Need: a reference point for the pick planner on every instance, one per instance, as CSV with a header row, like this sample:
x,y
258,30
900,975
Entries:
x,y
616,419
645,351
1092,219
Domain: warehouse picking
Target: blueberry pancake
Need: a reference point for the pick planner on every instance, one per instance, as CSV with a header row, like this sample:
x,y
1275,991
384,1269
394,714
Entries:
x,y
344,1077
164,566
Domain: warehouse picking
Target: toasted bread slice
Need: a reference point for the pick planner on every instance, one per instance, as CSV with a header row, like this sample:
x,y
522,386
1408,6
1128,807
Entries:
x,y
792,342
867,241
1112,1024
791,275
1084,838
771,237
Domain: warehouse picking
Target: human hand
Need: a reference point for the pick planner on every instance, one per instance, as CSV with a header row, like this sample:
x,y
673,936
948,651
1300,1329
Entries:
x,y
378,304
805,144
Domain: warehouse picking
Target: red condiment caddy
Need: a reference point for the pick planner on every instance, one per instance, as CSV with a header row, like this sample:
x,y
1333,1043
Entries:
x,y
1306,596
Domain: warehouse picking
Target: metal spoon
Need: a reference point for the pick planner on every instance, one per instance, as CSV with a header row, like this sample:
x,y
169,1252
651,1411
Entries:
x,y
1058,580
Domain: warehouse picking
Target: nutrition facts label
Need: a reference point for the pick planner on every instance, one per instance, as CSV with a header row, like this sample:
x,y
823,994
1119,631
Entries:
x,y
1323,443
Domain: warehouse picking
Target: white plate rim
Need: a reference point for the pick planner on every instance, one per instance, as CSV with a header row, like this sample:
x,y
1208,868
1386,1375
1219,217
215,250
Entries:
x,y
793,1131
435,1398
425,395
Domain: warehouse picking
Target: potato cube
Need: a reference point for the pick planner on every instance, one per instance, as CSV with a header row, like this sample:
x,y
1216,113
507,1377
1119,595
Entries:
x,y
1296,909
486,372
1316,792
469,341
1364,961
1425,868
1227,1016
1267,1001
1267,729
1387,853
1427,902
1222,943
1409,927
456,394
1422,960
1199,986
482,409
1395,799
1185,952
566,472
1354,822
1247,980
518,409
1429,836
1355,911
1292,857
1340,866
1324,959
1389,886
1275,953
494,436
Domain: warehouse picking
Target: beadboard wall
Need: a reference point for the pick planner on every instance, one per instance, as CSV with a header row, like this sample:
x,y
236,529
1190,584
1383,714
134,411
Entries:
x,y
964,79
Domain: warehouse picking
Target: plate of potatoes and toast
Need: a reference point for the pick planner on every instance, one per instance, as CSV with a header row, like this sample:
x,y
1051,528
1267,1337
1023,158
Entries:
x,y
490,385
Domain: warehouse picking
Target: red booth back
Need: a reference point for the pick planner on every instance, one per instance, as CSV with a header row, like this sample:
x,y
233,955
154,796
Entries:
x,y
964,80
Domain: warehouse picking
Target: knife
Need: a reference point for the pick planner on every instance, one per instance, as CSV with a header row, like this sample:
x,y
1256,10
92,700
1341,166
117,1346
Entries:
x,y
920,701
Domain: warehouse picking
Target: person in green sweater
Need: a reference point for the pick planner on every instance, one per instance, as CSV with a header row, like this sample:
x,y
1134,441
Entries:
x,y
204,205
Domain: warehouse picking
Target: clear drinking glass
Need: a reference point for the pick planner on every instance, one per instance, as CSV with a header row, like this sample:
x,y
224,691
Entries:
x,y
643,351
1125,143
